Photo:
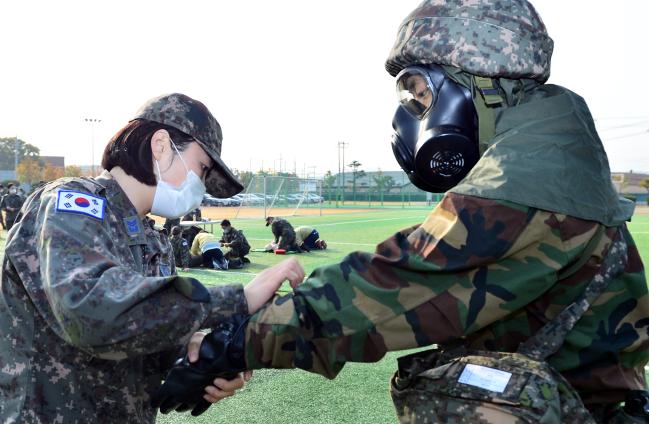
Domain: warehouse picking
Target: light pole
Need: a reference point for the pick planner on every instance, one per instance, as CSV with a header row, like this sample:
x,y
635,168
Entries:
x,y
342,144
92,139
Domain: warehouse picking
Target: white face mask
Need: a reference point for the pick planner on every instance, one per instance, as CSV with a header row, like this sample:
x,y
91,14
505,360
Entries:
x,y
174,202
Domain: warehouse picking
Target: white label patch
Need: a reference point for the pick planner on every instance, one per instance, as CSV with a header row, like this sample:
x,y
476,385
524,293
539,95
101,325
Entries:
x,y
485,377
81,203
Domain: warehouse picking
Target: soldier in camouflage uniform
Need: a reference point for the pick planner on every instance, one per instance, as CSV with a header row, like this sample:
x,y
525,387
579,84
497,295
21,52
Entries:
x,y
180,248
284,234
499,256
11,204
171,222
235,243
3,193
89,322
167,260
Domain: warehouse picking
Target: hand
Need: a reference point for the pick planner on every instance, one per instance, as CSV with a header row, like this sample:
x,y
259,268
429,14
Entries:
x,y
216,358
223,388
265,284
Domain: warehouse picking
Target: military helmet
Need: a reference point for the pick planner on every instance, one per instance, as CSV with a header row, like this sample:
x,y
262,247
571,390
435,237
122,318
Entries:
x,y
489,38
194,119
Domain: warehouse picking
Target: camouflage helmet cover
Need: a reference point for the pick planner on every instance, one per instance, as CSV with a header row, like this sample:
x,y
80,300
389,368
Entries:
x,y
489,38
194,119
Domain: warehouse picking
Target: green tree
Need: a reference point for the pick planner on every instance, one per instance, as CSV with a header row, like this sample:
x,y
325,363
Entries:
x,y
329,180
8,146
356,174
245,177
645,184
384,183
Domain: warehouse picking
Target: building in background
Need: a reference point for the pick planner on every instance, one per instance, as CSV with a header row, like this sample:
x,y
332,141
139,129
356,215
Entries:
x,y
629,184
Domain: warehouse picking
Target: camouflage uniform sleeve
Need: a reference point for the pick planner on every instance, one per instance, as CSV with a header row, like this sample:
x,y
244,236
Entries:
x,y
237,241
472,262
86,285
184,255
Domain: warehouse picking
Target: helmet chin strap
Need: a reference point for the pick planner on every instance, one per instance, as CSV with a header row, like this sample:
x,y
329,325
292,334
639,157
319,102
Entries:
x,y
487,100
485,105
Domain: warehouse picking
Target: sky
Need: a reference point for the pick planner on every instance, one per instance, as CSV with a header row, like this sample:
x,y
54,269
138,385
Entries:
x,y
287,80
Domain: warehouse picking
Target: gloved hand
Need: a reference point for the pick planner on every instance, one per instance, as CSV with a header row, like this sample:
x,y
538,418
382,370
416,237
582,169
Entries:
x,y
221,355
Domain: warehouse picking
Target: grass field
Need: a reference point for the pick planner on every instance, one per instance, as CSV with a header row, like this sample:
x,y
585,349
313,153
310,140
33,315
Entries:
x,y
360,393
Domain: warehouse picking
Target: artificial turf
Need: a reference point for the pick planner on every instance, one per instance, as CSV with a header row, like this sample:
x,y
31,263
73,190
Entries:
x,y
359,394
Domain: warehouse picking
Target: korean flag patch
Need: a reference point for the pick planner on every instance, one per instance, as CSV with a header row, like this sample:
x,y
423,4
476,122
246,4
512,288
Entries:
x,y
81,203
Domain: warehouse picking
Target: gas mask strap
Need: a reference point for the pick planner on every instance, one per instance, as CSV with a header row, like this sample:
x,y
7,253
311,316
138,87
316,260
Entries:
x,y
489,93
485,103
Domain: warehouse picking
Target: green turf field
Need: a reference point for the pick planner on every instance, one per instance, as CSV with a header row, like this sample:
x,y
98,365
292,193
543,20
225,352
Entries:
x,y
360,393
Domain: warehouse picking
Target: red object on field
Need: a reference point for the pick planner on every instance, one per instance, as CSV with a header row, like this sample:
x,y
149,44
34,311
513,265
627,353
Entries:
x,y
280,251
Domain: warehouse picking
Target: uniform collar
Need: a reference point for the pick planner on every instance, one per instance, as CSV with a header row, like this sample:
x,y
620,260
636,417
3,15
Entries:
x,y
122,207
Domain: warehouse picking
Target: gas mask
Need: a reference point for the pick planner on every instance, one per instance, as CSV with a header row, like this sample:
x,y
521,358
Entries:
x,y
436,128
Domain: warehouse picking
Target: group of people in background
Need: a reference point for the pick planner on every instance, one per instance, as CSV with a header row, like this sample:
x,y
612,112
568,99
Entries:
x,y
194,247
288,239
12,198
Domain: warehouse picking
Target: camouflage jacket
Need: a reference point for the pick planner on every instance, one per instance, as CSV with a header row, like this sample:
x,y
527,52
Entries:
x,y
284,234
180,249
88,324
238,243
11,203
484,271
167,260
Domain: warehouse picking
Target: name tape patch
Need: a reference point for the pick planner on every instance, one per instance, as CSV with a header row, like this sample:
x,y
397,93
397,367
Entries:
x,y
80,203
485,377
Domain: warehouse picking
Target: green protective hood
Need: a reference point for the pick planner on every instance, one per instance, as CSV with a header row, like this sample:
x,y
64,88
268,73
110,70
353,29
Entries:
x,y
546,154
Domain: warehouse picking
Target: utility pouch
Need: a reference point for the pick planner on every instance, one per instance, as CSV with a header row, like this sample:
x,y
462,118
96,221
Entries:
x,y
460,385
469,386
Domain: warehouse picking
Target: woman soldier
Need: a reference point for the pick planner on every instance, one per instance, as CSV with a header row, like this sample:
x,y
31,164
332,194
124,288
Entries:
x,y
89,322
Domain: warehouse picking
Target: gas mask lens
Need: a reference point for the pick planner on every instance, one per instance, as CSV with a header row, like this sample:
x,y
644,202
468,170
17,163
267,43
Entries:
x,y
415,91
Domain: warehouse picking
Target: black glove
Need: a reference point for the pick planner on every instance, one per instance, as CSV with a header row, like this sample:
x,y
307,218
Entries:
x,y
221,355
636,404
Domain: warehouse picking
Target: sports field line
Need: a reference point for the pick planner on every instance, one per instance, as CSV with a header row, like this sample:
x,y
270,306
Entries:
x,y
328,242
230,272
370,220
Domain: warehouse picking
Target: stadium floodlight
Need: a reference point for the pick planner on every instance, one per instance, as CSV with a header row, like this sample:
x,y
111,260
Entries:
x,y
92,121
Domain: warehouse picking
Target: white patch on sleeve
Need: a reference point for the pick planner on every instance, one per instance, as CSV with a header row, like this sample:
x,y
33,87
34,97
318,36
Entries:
x,y
485,377
81,203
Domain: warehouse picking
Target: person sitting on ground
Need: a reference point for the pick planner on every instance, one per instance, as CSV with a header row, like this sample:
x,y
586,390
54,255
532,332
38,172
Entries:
x,y
308,238
235,243
206,251
284,235
180,248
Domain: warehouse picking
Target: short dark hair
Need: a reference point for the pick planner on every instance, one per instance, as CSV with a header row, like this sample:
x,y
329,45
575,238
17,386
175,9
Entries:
x,y
176,230
225,223
130,149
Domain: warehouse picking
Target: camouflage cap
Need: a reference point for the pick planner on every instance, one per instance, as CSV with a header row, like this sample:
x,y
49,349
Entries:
x,y
194,119
490,38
